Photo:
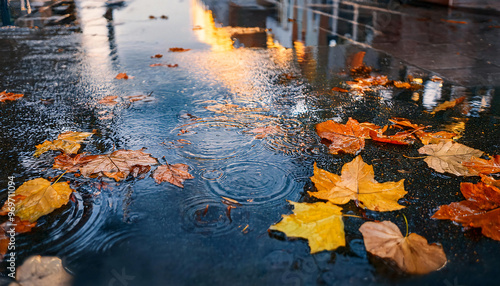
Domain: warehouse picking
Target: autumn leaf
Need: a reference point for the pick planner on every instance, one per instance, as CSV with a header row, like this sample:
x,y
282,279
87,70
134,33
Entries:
x,y
405,123
490,181
157,56
339,89
400,138
164,65
38,197
20,226
175,174
357,60
447,157
320,223
435,137
480,209
70,163
123,76
347,138
109,100
482,166
357,183
448,104
117,165
412,253
43,271
67,142
453,21
176,49
139,97
4,96
262,132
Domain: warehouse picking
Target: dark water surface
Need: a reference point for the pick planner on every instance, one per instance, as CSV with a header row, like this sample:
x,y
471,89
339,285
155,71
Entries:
x,y
142,233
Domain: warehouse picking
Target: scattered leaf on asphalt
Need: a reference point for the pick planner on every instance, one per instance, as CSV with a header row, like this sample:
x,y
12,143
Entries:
x,y
67,142
175,174
347,138
116,165
320,223
412,253
38,197
176,49
447,157
43,271
400,138
480,209
490,181
482,166
4,96
448,104
357,183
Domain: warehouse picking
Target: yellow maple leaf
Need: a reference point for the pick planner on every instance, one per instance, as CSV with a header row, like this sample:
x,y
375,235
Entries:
x,y
357,183
320,223
67,142
38,197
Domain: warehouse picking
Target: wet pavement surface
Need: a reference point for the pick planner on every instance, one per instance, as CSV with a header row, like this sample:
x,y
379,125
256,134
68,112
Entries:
x,y
142,233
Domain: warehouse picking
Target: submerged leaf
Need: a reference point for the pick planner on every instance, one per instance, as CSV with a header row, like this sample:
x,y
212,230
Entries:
x,y
320,223
447,157
412,253
38,197
262,132
175,174
67,142
43,271
357,183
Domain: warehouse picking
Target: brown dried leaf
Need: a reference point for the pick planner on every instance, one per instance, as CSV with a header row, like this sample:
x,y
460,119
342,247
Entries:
x,y
412,253
348,138
447,157
174,174
483,166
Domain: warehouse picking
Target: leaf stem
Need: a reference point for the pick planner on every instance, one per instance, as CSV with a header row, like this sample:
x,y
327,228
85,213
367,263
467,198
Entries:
x,y
422,157
59,177
406,221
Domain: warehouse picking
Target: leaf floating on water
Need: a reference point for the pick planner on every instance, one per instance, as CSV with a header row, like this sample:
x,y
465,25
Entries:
x,y
157,56
176,49
320,223
347,138
116,165
70,163
67,142
123,76
20,226
412,253
480,209
43,271
109,100
447,157
175,174
38,197
164,65
482,166
357,183
448,104
4,96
